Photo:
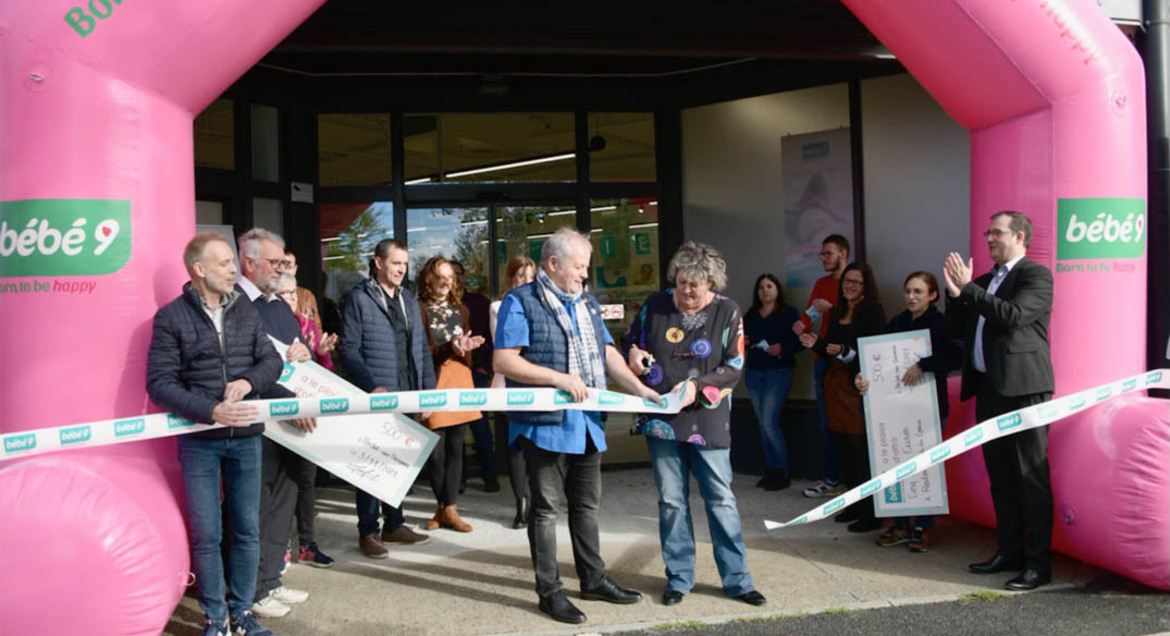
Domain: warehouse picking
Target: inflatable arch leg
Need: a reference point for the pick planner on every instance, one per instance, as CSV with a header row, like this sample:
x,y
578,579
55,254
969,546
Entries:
x,y
96,112
1054,98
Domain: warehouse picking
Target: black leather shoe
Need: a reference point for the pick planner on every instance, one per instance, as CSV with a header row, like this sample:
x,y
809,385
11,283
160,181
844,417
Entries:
x,y
672,597
847,516
491,483
865,525
521,519
560,609
777,480
752,598
997,563
611,592
1029,579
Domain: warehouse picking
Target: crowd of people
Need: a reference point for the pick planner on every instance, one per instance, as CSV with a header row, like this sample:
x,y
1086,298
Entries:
x,y
210,354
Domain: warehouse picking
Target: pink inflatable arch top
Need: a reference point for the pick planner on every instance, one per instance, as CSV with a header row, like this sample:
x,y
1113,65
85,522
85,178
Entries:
x,y
96,110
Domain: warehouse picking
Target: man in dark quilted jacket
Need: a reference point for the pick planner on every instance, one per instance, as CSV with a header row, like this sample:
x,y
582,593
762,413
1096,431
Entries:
x,y
208,355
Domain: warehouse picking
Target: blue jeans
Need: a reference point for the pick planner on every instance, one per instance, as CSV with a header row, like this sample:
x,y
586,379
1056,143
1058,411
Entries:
x,y
832,466
673,464
769,391
237,461
367,513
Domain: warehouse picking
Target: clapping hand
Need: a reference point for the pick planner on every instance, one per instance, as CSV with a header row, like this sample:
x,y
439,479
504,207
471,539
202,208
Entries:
x,y
466,343
957,272
328,344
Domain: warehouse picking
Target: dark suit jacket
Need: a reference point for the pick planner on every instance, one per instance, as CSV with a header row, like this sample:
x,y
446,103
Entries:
x,y
1015,334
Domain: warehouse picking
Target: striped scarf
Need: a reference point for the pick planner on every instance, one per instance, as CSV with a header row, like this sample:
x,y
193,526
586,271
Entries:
x,y
585,359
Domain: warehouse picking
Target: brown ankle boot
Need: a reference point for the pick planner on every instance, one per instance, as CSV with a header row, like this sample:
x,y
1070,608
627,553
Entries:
x,y
450,519
436,521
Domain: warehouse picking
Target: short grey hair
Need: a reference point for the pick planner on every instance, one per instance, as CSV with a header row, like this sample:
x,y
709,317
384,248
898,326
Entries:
x,y
561,243
698,260
285,279
248,243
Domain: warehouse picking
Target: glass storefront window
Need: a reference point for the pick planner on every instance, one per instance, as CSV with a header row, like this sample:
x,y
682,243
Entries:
x,y
625,256
523,230
455,233
349,232
215,136
489,147
265,143
621,147
353,149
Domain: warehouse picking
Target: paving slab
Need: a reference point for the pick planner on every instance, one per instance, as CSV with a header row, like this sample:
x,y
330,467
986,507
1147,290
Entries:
x,y
482,583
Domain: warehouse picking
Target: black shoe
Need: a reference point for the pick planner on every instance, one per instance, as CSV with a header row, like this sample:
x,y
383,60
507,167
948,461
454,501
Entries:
x,y
672,597
1029,579
611,592
777,480
997,563
763,480
560,609
752,598
865,525
521,519
848,515
491,483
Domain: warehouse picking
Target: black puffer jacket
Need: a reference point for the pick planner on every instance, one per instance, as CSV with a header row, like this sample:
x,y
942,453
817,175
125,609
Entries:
x,y
186,372
367,345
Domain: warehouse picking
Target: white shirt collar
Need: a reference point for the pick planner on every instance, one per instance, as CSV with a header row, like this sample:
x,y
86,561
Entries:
x,y
250,289
1007,267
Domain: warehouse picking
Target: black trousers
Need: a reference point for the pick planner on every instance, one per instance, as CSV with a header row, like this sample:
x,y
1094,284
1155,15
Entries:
x,y
517,469
1020,489
446,465
278,501
578,478
305,476
853,450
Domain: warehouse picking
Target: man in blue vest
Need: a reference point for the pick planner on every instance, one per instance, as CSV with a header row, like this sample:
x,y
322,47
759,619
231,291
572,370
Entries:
x,y
550,333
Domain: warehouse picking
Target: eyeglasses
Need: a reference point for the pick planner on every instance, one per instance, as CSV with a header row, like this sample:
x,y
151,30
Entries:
x,y
853,282
278,263
997,233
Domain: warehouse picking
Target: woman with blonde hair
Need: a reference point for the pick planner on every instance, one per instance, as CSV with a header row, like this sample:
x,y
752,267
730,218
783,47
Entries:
x,y
520,270
447,325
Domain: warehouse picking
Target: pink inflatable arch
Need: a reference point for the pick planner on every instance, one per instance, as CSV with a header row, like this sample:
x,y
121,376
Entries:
x,y
95,124
1053,95
95,133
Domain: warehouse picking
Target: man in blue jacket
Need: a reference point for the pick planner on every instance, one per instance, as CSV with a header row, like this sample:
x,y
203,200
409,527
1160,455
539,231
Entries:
x,y
384,349
550,333
207,355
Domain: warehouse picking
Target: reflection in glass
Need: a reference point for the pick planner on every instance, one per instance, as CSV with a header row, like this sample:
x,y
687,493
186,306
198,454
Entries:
x,y
353,149
625,255
489,147
621,147
349,232
456,233
265,143
215,136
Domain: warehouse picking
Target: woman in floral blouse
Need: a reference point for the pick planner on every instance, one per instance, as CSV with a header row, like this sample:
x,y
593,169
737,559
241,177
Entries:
x,y
690,339
447,324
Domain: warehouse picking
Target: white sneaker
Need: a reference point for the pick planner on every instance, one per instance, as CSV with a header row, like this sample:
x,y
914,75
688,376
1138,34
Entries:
x,y
288,595
269,607
824,488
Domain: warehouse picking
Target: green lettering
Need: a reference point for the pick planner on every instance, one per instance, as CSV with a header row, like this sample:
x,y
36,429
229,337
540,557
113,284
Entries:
x,y
82,23
93,8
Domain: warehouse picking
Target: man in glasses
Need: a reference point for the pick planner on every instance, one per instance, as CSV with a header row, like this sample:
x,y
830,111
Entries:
x,y
1003,318
262,260
834,258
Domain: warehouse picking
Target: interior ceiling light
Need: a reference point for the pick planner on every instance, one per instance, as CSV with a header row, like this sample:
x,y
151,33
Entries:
x,y
509,166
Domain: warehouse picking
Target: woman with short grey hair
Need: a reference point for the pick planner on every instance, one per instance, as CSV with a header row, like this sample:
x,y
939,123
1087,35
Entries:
x,y
690,340
701,261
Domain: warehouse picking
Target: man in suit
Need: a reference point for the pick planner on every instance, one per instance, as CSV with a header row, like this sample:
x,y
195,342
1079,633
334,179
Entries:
x,y
1003,318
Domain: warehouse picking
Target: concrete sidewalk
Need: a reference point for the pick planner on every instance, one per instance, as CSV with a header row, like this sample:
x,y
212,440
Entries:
x,y
482,582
